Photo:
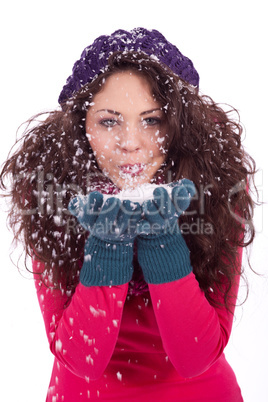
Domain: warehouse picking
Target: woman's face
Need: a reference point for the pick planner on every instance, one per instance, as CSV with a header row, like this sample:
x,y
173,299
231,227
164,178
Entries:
x,y
126,128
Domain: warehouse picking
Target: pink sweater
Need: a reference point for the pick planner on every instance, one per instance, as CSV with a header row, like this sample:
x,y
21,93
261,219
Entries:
x,y
163,345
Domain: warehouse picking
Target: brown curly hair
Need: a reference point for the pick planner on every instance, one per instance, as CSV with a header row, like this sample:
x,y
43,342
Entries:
x,y
54,161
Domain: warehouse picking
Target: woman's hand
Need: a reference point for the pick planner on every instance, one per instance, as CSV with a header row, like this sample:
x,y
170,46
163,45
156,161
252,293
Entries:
x,y
111,220
162,251
108,251
161,214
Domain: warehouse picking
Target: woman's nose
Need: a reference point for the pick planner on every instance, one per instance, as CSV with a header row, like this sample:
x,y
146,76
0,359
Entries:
x,y
130,140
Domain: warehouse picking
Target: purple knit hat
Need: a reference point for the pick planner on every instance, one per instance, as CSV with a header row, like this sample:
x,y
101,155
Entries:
x,y
94,58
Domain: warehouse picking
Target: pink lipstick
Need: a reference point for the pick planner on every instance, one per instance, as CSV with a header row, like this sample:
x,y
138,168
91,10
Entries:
x,y
132,169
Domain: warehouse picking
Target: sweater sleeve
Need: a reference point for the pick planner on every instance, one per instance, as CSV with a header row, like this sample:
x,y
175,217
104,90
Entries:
x,y
82,329
194,333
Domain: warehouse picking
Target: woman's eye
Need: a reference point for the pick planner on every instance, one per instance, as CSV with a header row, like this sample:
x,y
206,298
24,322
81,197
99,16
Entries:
x,y
108,122
151,121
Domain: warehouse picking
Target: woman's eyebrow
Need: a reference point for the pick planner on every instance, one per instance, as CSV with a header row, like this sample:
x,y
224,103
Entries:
x,y
150,111
109,111
119,114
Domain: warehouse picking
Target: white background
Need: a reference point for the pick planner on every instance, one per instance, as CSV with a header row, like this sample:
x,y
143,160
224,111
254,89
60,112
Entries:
x,y
40,40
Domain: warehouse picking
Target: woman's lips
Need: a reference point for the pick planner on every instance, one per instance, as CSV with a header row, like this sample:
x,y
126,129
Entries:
x,y
132,169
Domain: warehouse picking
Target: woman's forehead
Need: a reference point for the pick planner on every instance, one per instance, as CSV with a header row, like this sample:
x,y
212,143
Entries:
x,y
127,91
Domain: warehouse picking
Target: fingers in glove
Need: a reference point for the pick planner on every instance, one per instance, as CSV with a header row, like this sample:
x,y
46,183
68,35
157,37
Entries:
x,y
110,210
164,203
151,211
186,183
182,192
76,206
181,198
189,186
86,208
128,217
86,205
129,211
130,208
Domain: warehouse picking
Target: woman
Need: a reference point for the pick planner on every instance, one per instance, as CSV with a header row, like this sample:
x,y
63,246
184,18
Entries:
x,y
137,297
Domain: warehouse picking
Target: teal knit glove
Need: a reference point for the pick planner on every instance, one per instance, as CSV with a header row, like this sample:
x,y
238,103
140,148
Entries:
x,y
162,251
108,252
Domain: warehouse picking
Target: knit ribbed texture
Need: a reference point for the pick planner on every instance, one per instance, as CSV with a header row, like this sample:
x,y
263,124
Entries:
x,y
163,258
106,264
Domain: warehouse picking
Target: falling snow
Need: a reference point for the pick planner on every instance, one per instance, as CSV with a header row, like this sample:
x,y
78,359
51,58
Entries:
x,y
119,376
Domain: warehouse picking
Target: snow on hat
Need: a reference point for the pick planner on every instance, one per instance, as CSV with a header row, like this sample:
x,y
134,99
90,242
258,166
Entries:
x,y
94,58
